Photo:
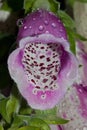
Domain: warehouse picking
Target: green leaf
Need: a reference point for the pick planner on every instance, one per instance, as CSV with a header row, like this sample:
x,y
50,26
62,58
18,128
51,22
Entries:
x,y
72,40
71,2
31,5
12,106
3,111
1,96
1,127
39,123
54,120
46,112
5,6
66,19
21,120
29,128
80,37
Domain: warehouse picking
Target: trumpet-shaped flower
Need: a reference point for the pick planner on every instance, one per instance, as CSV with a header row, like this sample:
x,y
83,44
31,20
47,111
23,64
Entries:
x,y
42,66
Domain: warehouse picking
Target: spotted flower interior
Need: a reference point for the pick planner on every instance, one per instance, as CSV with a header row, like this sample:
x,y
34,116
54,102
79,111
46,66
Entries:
x,y
42,64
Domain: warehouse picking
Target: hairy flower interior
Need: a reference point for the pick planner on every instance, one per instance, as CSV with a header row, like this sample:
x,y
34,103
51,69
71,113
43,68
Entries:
x,y
42,64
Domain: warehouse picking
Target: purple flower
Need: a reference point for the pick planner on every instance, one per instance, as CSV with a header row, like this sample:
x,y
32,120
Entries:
x,y
81,86
74,105
42,66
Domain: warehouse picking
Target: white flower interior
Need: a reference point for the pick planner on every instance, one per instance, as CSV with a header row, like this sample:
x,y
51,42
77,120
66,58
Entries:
x,y
42,63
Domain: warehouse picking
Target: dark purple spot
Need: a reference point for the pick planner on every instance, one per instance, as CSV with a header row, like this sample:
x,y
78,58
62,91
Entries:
x,y
48,59
45,80
42,47
41,64
33,81
42,56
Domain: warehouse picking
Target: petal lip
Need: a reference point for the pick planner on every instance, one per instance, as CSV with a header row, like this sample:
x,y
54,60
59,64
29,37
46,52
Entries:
x,y
33,22
26,89
44,38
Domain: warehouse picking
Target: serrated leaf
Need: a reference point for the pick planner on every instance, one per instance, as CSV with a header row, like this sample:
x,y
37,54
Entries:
x,y
66,19
31,5
29,128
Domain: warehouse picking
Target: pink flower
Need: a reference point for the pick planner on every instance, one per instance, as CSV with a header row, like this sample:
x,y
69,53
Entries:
x,y
81,86
74,105
42,66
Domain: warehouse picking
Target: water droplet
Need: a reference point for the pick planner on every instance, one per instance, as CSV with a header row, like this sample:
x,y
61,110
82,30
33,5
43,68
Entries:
x,y
25,27
30,27
20,22
59,21
41,28
43,96
80,90
34,91
46,22
34,19
53,25
47,32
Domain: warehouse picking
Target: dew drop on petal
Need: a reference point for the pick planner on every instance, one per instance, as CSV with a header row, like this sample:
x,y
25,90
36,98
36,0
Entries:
x,y
34,19
53,25
20,22
25,27
43,96
47,32
41,28
30,27
46,22
34,91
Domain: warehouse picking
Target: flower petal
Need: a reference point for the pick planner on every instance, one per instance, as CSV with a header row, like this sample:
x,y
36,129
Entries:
x,y
69,70
47,23
44,38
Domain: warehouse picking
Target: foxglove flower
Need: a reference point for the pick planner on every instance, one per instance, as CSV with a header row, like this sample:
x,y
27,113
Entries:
x,y
74,105
42,66
81,86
